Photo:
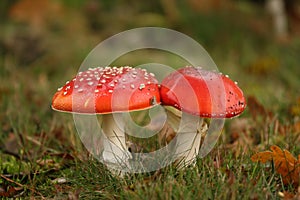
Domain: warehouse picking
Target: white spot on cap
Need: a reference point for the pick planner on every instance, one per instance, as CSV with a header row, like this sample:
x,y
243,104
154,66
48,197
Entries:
x,y
132,86
81,79
67,82
59,89
96,90
90,83
65,93
103,81
76,86
142,86
80,90
110,91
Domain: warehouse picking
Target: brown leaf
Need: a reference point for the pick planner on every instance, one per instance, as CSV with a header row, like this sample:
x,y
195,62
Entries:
x,y
285,163
10,191
262,157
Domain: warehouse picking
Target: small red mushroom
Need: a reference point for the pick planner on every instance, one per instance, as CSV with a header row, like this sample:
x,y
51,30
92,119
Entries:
x,y
203,93
106,91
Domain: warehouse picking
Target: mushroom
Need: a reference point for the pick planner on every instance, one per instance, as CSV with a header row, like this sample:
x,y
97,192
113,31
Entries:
x,y
109,92
112,92
202,93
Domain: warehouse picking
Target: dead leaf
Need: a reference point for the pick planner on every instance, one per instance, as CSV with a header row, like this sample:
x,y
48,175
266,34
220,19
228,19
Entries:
x,y
262,157
285,163
10,191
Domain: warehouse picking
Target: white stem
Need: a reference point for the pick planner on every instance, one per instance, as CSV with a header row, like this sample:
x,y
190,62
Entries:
x,y
189,130
188,141
189,144
115,150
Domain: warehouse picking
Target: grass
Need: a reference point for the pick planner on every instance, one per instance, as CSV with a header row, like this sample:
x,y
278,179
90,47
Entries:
x,y
40,147
234,178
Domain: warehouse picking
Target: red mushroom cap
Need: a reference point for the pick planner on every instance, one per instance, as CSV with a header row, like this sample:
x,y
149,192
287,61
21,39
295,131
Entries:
x,y
201,92
106,90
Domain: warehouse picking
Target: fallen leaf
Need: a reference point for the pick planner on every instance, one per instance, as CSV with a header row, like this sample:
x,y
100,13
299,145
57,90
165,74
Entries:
x,y
285,163
262,157
10,191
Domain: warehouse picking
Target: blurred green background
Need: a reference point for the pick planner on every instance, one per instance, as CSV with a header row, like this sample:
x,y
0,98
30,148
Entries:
x,y
42,43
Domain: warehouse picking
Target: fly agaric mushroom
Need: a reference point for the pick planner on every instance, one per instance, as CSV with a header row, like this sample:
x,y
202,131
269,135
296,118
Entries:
x,y
206,94
106,91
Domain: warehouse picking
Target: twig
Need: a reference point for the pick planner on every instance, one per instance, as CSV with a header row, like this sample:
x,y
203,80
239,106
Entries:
x,y
21,185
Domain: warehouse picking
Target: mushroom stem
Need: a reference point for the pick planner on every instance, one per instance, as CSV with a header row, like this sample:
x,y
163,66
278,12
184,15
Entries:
x,y
189,129
115,150
189,144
